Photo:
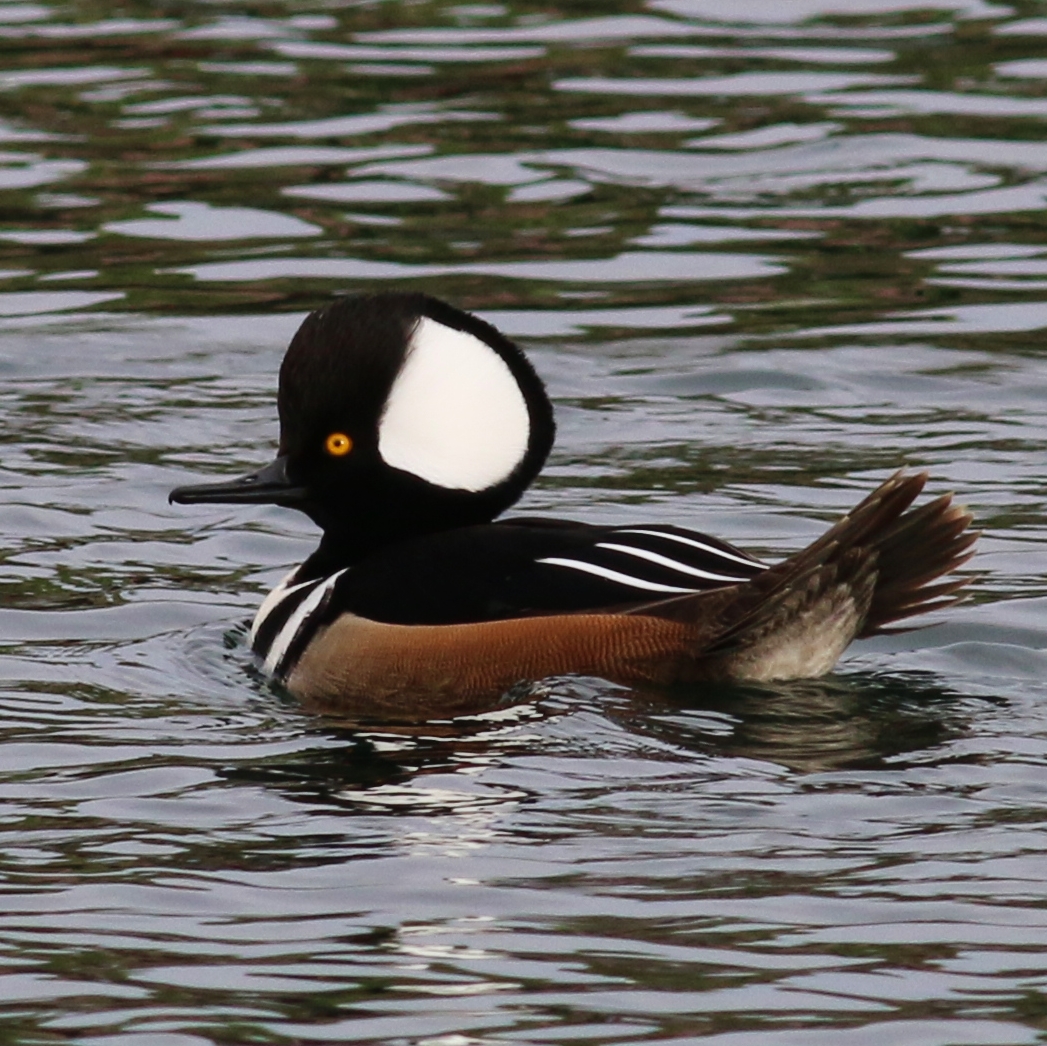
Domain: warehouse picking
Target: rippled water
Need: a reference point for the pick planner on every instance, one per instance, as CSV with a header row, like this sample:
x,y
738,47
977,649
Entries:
x,y
763,253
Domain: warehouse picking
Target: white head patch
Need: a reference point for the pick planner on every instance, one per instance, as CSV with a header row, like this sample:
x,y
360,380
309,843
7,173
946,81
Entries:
x,y
455,415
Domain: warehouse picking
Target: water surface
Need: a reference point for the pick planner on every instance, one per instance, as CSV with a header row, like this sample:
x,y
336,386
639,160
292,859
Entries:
x,y
763,254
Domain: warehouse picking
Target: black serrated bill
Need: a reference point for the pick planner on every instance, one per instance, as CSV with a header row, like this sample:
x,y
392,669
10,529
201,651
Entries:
x,y
268,486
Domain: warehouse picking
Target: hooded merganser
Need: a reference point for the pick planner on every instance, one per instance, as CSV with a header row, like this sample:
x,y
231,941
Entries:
x,y
407,426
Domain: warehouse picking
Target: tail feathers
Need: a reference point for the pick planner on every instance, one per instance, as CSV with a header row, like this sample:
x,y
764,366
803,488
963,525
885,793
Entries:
x,y
875,566
922,546
865,523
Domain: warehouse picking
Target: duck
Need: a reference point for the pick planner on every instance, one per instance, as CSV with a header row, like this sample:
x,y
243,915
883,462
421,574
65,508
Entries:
x,y
409,426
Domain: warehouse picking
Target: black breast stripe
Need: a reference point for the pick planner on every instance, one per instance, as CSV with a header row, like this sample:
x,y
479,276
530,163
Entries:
x,y
271,620
288,644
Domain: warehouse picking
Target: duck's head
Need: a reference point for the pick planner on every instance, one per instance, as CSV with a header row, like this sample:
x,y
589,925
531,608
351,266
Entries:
x,y
399,415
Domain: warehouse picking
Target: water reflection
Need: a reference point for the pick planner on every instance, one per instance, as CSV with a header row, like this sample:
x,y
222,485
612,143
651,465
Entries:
x,y
811,726
861,721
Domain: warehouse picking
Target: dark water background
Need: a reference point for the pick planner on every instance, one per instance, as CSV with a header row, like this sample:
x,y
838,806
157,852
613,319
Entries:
x,y
762,263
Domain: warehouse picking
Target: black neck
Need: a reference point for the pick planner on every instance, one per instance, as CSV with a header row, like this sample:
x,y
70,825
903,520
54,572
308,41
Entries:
x,y
354,536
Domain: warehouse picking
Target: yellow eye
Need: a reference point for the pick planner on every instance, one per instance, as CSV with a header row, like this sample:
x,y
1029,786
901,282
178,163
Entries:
x,y
338,444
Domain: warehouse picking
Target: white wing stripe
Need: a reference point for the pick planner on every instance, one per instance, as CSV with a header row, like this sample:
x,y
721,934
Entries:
x,y
613,575
665,561
711,549
285,637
